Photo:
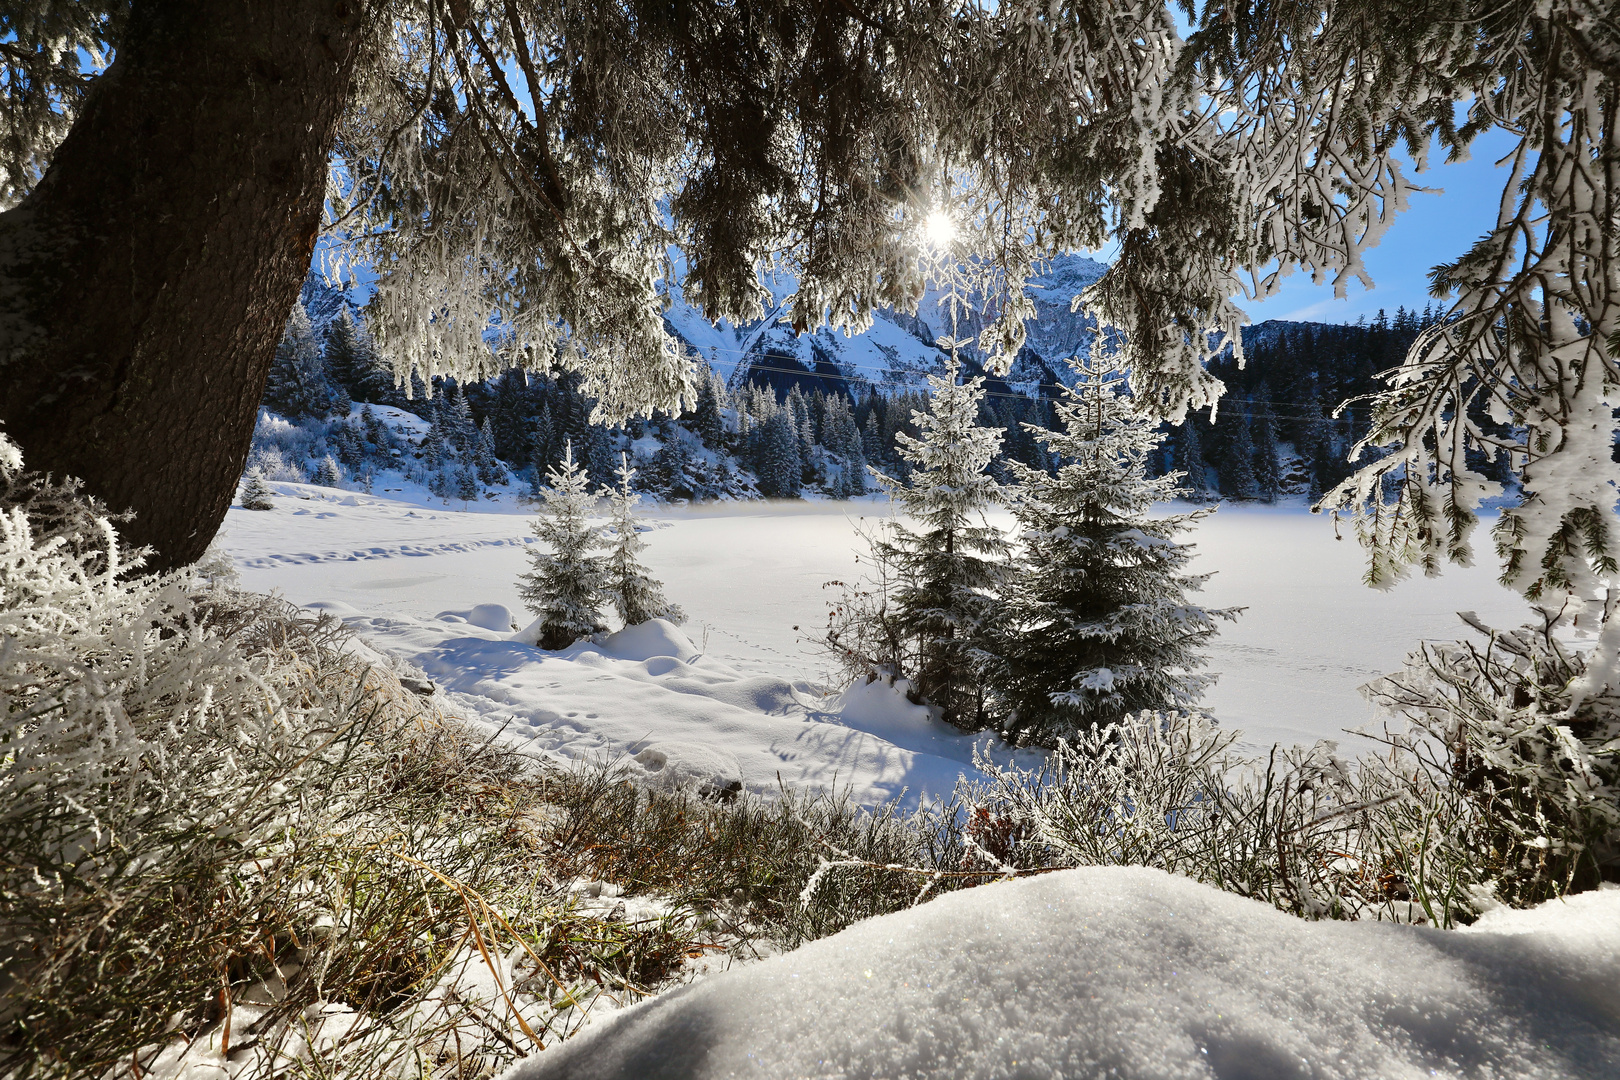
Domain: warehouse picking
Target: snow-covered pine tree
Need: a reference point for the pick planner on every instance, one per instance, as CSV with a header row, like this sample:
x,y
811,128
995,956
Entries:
x,y
256,493
343,354
455,414
1097,621
297,384
466,484
1267,462
779,466
943,554
1188,459
489,467
565,586
327,473
634,593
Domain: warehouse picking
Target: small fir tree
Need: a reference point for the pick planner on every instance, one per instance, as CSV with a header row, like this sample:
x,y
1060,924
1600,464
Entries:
x,y
466,485
1097,622
327,472
565,586
634,593
489,467
440,483
944,556
256,493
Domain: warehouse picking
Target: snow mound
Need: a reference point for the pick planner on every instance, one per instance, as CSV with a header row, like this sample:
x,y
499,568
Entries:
x,y
1129,972
496,617
644,641
493,617
673,764
880,706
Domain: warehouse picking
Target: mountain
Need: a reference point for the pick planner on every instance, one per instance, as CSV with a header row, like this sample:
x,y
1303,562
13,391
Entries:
x,y
897,350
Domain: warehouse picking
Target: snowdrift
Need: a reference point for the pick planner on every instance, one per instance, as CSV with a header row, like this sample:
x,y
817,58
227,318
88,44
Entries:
x,y
1130,972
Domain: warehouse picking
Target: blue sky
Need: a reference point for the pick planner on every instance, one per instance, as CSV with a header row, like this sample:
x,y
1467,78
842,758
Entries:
x,y
1436,228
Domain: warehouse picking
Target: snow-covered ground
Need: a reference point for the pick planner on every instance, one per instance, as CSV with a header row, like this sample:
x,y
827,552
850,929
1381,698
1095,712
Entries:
x,y
1128,972
745,699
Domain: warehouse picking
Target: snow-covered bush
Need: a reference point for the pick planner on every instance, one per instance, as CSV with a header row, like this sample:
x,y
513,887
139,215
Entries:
x,y
142,752
1166,791
227,837
1493,796
1513,750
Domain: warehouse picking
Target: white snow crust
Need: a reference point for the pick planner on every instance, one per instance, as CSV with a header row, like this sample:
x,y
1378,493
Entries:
x,y
1129,972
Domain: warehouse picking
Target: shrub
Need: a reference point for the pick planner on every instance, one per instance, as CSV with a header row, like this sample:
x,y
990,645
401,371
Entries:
x,y
1516,746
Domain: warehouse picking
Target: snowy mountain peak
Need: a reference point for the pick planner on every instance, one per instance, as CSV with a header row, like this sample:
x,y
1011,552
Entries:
x,y
897,351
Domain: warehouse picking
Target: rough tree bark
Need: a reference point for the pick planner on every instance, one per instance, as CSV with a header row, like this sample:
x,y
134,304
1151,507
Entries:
x,y
145,282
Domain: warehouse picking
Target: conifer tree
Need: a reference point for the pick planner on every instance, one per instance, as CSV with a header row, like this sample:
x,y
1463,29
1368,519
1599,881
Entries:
x,y
1235,461
489,467
297,384
707,421
327,473
1267,463
256,493
466,484
457,419
633,592
944,554
779,467
376,433
544,444
345,363
439,483
1188,459
565,586
1097,622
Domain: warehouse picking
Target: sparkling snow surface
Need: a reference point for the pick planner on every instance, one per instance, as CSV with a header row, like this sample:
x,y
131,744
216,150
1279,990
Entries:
x,y
744,700
1128,972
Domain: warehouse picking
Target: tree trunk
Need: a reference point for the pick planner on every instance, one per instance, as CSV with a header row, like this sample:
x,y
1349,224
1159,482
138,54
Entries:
x,y
145,282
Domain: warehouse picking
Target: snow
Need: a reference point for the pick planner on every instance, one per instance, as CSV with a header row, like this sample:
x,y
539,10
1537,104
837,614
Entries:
x,y
1130,972
751,575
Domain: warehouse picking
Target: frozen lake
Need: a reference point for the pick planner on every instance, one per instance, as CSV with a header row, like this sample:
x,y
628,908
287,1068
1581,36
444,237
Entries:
x,y
751,577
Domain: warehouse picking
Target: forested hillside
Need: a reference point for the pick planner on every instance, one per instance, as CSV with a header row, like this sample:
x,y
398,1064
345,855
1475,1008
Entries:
x,y
794,418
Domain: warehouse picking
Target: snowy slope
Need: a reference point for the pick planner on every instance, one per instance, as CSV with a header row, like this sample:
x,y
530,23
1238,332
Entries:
x,y
1128,972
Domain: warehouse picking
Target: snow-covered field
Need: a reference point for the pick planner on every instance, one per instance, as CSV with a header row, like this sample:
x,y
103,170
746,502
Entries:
x,y
746,699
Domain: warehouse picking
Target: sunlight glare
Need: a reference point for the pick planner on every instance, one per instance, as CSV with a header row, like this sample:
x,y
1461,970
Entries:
x,y
940,229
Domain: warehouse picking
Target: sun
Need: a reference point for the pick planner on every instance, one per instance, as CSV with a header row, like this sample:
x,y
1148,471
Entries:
x,y
939,229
